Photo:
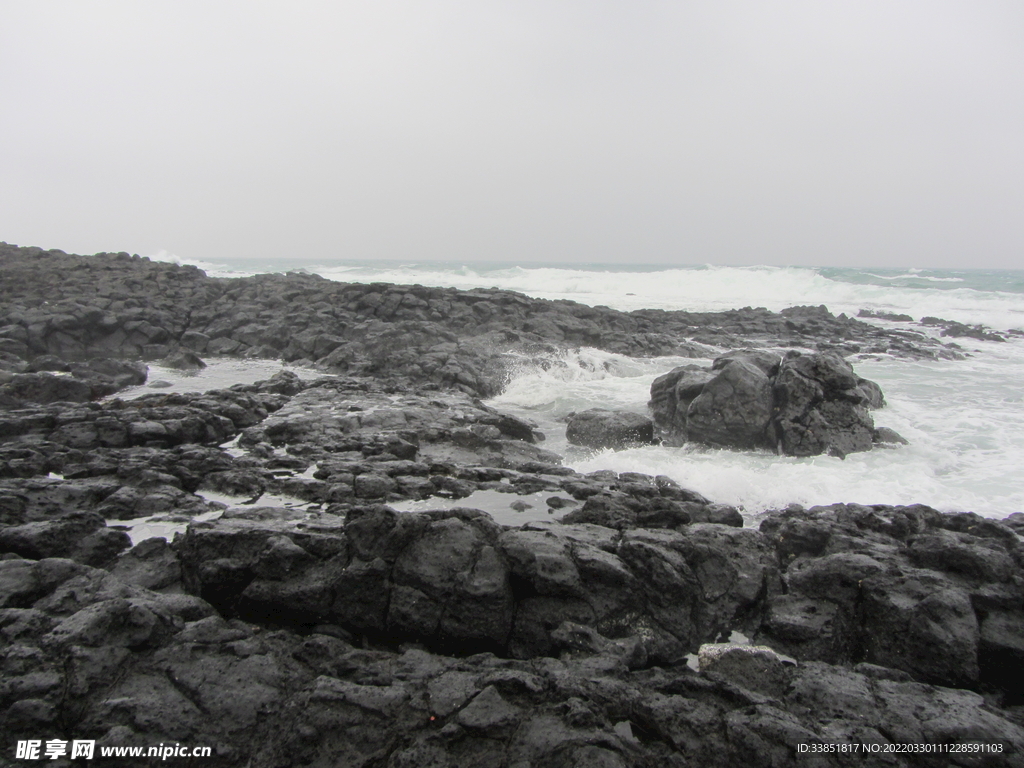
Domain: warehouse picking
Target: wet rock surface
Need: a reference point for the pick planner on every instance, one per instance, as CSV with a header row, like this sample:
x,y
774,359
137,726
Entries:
x,y
955,329
89,654
47,379
456,582
908,588
298,619
794,403
347,633
601,428
893,316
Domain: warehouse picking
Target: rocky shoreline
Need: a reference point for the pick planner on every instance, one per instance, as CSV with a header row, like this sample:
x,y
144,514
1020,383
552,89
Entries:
x,y
640,624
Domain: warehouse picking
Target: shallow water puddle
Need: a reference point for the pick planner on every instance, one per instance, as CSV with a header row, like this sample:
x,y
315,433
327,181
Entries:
x,y
159,526
219,373
505,508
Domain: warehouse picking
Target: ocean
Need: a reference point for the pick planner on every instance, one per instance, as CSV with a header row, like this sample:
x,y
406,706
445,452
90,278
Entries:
x,y
964,418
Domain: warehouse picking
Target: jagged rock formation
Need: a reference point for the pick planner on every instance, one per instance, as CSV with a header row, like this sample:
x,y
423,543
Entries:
x,y
92,653
960,330
456,582
796,404
938,596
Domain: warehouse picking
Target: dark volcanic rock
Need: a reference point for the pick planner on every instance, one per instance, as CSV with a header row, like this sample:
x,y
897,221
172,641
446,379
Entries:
x,y
819,407
183,360
296,636
152,420
894,316
46,388
87,655
733,408
338,415
601,428
81,536
455,581
884,435
671,395
150,563
955,329
798,405
75,382
901,587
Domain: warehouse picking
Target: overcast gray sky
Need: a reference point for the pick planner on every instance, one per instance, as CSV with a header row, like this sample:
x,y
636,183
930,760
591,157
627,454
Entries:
x,y
834,132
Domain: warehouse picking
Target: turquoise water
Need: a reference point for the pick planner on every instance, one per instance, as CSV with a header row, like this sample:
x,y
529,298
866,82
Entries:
x,y
993,280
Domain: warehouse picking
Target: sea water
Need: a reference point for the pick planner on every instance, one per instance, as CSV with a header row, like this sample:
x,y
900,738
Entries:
x,y
964,418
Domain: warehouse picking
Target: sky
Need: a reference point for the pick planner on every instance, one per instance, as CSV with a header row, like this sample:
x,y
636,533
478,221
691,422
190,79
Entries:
x,y
786,132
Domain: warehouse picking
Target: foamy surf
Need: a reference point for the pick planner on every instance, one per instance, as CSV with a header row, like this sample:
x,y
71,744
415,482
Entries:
x,y
964,420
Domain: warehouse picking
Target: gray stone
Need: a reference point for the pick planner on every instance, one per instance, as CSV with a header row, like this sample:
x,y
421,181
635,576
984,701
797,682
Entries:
x,y
600,428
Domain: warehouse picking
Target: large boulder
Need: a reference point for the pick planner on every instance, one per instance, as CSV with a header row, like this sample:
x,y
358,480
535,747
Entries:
x,y
671,395
183,360
733,408
820,406
798,405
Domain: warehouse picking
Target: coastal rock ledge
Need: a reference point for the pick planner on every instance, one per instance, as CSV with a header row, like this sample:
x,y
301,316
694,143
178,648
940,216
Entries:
x,y
310,623
263,639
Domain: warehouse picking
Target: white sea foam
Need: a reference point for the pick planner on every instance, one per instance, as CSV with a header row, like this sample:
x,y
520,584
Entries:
x,y
218,269
713,289
914,274
964,420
